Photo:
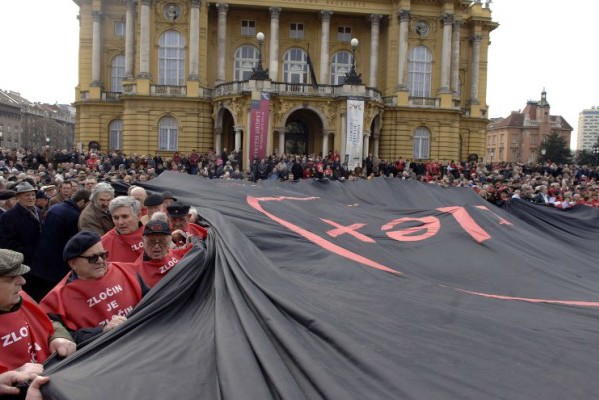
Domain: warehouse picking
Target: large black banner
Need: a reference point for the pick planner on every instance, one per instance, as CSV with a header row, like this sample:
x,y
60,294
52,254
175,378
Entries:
x,y
381,289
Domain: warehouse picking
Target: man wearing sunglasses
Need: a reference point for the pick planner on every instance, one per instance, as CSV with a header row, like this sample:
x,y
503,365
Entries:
x,y
124,242
95,296
159,257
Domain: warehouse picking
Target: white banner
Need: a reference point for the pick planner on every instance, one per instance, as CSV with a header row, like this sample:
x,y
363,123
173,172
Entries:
x,y
353,142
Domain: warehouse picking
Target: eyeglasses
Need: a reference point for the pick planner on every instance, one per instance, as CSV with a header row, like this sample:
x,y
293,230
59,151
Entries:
x,y
96,257
161,241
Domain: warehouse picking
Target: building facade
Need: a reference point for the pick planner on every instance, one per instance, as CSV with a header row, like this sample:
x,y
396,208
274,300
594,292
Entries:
x,y
588,129
174,75
32,125
518,137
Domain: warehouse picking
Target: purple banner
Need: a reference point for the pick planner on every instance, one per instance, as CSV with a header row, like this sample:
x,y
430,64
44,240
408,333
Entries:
x,y
259,116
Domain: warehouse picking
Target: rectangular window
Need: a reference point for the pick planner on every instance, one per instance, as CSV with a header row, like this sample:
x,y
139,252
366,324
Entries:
x,y
119,28
296,31
514,140
344,33
248,27
534,140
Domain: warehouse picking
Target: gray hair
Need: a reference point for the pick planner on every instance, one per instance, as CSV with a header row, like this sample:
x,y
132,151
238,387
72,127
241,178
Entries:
x,y
101,187
159,216
125,201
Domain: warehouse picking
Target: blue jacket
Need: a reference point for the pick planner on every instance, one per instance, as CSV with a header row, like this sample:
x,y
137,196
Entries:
x,y
20,231
59,227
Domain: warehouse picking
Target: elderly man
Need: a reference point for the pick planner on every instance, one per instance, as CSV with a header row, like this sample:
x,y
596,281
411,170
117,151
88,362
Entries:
x,y
60,225
95,217
179,219
96,296
21,225
140,194
158,257
124,242
153,204
30,336
8,198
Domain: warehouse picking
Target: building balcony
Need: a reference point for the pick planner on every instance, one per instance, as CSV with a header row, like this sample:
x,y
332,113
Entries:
x,y
168,90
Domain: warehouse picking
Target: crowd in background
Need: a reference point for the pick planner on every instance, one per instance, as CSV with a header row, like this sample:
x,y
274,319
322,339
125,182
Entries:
x,y
547,183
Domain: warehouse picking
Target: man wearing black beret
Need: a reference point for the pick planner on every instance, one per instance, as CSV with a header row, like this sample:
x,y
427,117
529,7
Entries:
x,y
153,204
7,200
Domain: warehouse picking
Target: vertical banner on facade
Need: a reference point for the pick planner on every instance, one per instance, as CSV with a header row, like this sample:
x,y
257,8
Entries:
x,y
259,116
353,142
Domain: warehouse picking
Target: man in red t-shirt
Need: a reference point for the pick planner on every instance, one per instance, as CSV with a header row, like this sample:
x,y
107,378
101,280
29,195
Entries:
x,y
123,242
28,335
178,219
95,296
159,257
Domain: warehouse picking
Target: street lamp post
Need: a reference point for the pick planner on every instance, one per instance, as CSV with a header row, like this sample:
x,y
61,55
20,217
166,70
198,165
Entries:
x,y
595,152
1,133
352,77
259,73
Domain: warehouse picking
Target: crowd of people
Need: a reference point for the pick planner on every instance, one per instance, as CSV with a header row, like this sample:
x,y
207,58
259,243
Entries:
x,y
81,242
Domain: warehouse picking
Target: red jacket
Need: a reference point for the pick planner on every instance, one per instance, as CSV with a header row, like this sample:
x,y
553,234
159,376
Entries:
x,y
123,248
24,335
152,271
83,304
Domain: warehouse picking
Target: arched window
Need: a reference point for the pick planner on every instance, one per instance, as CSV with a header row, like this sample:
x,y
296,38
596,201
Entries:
x,y
117,73
167,134
422,140
420,67
340,65
171,59
246,58
295,66
115,137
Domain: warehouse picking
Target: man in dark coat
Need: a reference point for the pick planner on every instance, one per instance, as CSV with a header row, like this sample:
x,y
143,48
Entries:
x,y
60,225
21,228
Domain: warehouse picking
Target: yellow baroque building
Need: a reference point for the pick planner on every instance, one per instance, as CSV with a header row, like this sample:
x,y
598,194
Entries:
x,y
159,76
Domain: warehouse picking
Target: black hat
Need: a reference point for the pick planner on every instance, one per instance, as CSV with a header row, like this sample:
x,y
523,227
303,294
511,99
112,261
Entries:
x,y
41,195
153,200
79,243
168,195
7,194
157,228
177,209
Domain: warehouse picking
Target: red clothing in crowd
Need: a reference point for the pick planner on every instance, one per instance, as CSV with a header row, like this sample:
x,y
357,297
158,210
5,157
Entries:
x,y
91,303
123,248
196,230
152,271
24,334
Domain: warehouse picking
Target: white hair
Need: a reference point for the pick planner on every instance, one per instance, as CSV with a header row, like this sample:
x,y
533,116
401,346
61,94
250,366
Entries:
x,y
125,201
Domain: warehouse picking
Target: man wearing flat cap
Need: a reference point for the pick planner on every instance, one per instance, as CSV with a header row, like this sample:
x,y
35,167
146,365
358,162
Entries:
x,y
159,257
168,198
153,204
29,335
21,228
8,198
178,219
95,296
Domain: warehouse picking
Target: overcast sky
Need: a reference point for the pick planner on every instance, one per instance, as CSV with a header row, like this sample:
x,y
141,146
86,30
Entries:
x,y
539,44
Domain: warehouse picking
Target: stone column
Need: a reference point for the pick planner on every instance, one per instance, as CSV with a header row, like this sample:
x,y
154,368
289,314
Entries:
x,y
455,57
130,39
281,142
218,139
402,62
324,46
446,52
376,146
144,45
194,39
221,42
475,67
273,67
96,47
366,144
325,143
374,48
238,130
